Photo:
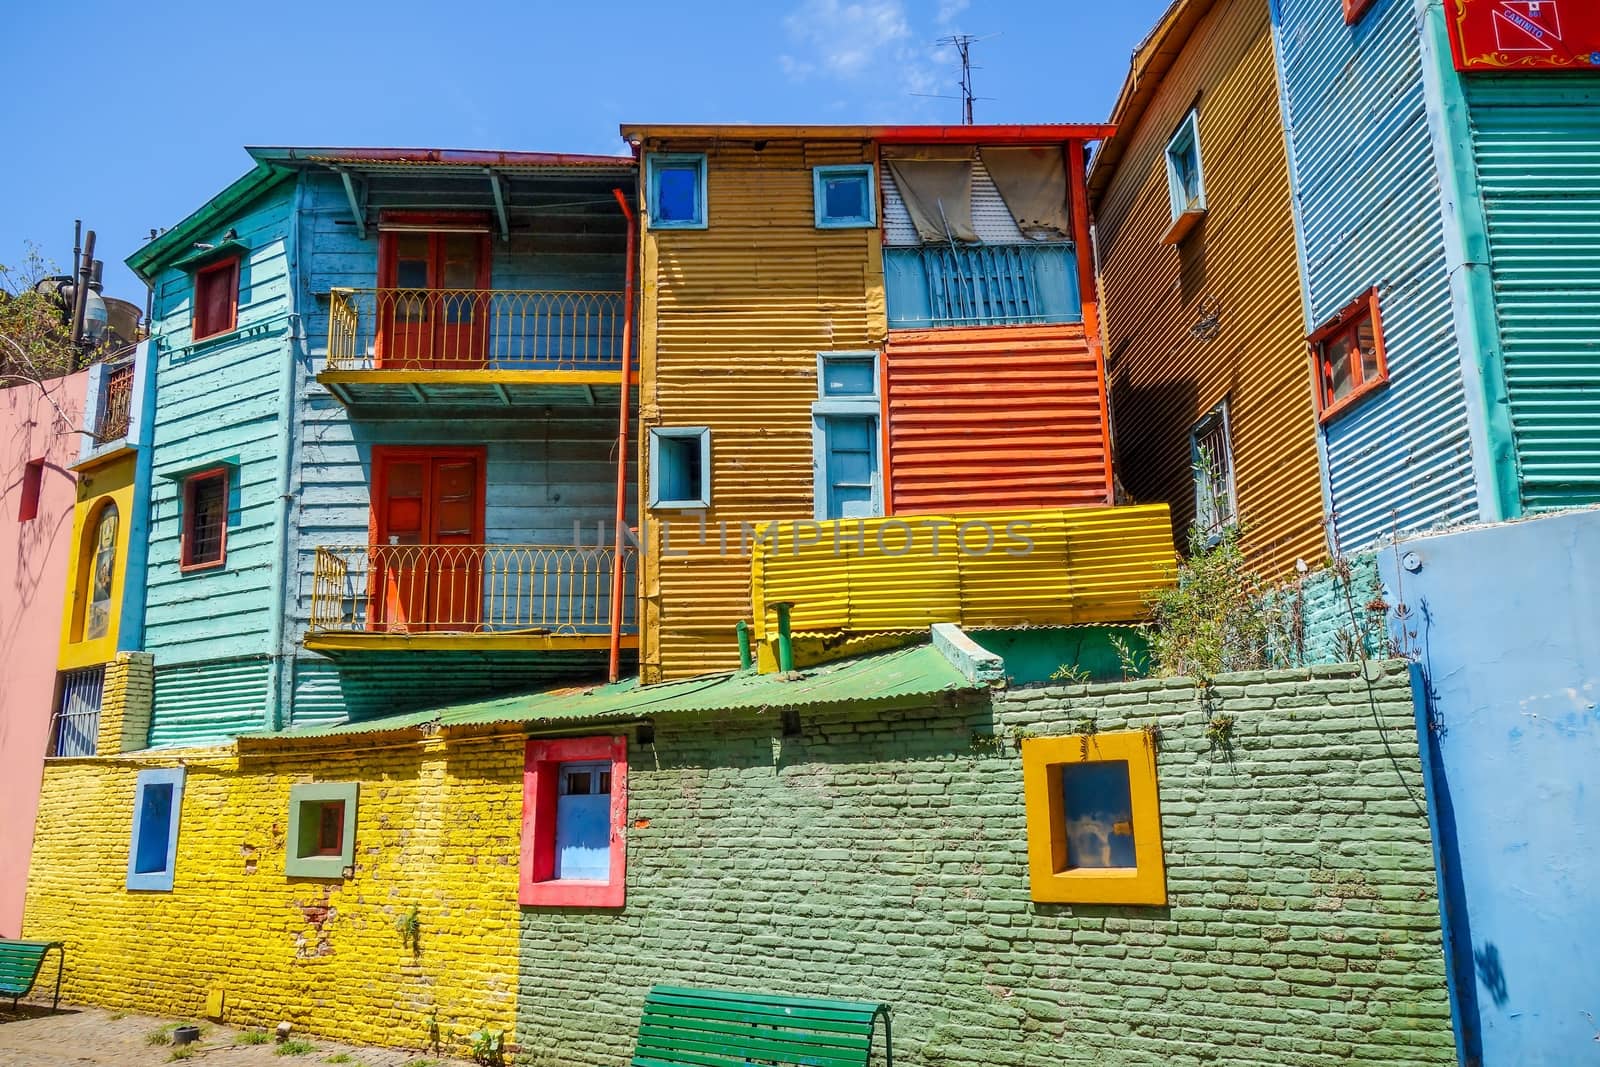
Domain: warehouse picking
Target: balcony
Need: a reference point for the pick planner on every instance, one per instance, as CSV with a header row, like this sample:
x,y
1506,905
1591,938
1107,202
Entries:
x,y
859,580
116,404
939,285
467,597
473,348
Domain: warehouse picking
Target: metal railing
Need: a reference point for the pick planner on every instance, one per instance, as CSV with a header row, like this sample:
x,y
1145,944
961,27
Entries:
x,y
76,728
982,285
475,329
466,589
116,402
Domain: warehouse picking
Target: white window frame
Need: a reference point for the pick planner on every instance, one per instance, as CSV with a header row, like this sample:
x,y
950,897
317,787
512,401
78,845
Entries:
x,y
1218,417
703,433
856,405
1187,134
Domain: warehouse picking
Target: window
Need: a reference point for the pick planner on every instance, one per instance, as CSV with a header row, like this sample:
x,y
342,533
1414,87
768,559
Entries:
x,y
1211,454
322,830
680,467
1185,178
98,573
575,809
677,192
32,485
153,848
216,298
844,422
1094,822
204,536
844,197
1354,9
77,725
1347,357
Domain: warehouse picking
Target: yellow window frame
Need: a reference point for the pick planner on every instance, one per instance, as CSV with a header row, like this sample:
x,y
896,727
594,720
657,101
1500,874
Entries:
x,y
1053,882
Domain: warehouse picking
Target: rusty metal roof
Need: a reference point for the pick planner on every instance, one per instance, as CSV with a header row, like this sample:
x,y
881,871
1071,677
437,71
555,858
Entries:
x,y
437,157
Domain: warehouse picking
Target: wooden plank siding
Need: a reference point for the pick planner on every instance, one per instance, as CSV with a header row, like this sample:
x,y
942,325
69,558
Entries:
x,y
1239,262
733,318
1029,431
218,401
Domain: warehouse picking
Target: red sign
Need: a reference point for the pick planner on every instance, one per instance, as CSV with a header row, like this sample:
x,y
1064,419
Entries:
x,y
1524,34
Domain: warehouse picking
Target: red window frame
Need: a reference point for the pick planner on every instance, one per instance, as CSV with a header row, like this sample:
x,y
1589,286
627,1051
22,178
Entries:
x,y
224,275
1362,310
330,816
32,487
541,780
186,557
1354,9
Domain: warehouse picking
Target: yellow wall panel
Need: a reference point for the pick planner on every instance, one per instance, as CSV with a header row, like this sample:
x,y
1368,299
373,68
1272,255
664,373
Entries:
x,y
111,483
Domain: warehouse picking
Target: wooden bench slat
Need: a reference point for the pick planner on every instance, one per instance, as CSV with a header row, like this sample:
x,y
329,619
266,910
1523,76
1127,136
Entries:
x,y
743,1048
712,1026
849,1006
686,1027
757,1018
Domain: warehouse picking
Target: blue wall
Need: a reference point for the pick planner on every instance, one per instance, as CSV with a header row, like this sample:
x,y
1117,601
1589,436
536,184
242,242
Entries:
x,y
1369,212
1508,621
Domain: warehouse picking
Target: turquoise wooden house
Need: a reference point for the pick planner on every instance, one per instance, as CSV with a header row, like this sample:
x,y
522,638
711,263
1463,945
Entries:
x,y
389,390
1449,232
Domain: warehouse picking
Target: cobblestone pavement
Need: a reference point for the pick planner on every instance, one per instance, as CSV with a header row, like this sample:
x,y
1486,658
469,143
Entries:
x,y
32,1037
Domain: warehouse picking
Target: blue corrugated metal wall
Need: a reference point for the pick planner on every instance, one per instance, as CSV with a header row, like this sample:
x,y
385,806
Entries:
x,y
1537,142
1369,210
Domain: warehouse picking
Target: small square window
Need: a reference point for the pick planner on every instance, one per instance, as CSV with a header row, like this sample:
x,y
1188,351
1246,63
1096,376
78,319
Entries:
x,y
1211,454
216,299
204,534
1094,821
1348,359
680,467
844,197
677,189
1185,178
32,486
848,374
153,847
322,830
575,809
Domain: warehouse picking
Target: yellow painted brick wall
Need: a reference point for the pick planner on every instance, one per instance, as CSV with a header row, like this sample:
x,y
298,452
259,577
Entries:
x,y
125,702
437,827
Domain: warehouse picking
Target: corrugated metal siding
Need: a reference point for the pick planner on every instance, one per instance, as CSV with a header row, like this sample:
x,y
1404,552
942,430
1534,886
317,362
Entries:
x,y
372,684
1370,212
1081,565
1029,432
208,701
1538,155
733,318
991,219
1239,264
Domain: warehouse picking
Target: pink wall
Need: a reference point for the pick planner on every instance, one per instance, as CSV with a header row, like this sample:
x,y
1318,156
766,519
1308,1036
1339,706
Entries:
x,y
33,569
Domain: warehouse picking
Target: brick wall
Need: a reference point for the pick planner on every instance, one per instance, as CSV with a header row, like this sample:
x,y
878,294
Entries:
x,y
125,699
883,856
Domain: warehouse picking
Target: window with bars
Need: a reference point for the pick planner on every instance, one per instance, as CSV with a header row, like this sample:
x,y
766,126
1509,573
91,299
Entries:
x,y
77,718
1211,453
982,285
204,538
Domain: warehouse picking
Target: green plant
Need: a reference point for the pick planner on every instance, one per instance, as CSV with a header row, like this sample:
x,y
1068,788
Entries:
x,y
488,1046
1219,732
162,1036
183,1052
409,927
295,1046
1217,617
1087,727
253,1037
1135,662
340,1057
114,1016
1070,674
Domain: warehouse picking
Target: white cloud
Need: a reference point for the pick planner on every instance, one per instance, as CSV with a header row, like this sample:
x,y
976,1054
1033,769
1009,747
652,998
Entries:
x,y
845,39
949,9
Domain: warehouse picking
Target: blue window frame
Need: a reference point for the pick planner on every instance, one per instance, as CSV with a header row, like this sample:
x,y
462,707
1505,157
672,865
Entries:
x,y
844,197
680,467
677,185
1185,176
153,847
846,483
583,821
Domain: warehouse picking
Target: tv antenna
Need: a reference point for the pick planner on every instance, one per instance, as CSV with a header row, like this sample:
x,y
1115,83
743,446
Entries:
x,y
962,43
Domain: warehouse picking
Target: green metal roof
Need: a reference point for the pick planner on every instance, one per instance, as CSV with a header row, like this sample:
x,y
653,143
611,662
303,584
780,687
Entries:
x,y
900,676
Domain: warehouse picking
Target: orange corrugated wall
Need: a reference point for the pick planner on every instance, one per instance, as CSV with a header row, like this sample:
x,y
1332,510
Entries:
x,y
1029,431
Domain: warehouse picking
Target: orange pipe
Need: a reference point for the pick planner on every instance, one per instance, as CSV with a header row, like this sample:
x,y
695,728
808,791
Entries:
x,y
622,441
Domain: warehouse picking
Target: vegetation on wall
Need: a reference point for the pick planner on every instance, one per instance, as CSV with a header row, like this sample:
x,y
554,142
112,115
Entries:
x,y
35,344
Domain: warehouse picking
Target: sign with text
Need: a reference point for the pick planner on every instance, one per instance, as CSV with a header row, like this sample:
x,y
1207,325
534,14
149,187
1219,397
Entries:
x,y
1512,35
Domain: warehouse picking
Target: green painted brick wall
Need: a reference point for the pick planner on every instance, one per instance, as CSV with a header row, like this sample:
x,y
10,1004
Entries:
x,y
882,856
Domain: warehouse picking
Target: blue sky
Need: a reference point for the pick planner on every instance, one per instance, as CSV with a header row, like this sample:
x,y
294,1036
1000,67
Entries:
x,y
178,86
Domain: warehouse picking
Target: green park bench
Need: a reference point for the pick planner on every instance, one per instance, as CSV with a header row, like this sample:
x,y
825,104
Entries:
x,y
20,964
715,1028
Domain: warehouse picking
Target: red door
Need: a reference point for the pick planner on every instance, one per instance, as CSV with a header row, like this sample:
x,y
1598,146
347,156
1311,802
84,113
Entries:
x,y
433,309
427,526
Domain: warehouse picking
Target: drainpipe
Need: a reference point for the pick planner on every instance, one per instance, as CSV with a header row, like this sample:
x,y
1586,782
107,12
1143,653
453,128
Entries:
x,y
785,645
622,441
743,631
280,675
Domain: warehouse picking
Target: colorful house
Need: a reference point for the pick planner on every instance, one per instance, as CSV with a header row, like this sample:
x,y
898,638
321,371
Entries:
x,y
873,336
1205,347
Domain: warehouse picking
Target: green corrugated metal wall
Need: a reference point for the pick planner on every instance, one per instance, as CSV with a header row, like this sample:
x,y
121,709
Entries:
x,y
1538,151
197,702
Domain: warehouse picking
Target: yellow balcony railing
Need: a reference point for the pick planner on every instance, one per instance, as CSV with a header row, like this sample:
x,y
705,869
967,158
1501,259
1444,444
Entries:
x,y
477,589
474,329
1022,568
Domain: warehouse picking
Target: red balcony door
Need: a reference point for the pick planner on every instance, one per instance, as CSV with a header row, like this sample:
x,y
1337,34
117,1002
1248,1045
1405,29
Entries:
x,y
432,310
427,526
